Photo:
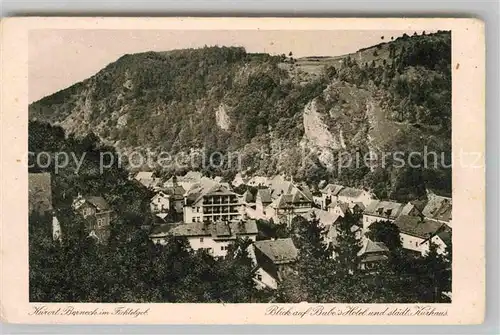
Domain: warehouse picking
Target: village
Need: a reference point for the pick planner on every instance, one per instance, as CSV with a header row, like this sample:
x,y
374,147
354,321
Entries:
x,y
212,214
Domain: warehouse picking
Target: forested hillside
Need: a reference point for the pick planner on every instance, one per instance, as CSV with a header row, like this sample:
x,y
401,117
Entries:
x,y
395,96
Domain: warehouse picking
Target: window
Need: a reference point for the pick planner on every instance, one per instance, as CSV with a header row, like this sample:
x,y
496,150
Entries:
x,y
259,277
222,248
194,219
201,239
100,222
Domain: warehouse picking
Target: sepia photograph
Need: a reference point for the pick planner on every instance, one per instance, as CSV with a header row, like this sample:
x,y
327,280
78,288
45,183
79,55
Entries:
x,y
236,167
235,171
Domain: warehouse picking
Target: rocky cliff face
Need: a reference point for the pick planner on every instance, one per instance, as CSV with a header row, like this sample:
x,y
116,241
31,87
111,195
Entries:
x,y
222,117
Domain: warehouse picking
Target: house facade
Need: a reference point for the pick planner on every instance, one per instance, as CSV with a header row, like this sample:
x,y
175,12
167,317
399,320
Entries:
x,y
339,208
353,195
168,199
325,218
371,254
415,233
262,200
381,211
215,237
329,194
438,208
214,202
273,261
160,203
97,213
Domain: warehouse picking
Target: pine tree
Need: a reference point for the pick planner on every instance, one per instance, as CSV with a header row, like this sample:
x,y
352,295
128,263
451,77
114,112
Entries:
x,y
347,245
314,261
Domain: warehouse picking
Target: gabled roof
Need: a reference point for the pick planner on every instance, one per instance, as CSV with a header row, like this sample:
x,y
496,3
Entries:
x,y
445,235
207,187
151,183
216,230
175,191
370,247
326,218
258,181
332,189
40,192
416,226
279,251
360,205
384,209
342,205
279,186
141,175
331,232
408,208
248,197
350,192
265,195
438,208
99,202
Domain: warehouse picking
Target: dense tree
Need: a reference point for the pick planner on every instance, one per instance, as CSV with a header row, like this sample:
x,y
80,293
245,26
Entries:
x,y
386,232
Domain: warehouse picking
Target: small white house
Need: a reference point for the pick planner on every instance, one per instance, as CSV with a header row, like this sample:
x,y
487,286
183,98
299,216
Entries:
x,y
160,203
339,208
352,195
381,211
415,233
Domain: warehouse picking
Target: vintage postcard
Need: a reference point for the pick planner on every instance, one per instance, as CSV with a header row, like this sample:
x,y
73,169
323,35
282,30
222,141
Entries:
x,y
242,171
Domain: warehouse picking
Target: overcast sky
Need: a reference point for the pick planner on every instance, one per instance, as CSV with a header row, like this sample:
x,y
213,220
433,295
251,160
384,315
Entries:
x,y
60,58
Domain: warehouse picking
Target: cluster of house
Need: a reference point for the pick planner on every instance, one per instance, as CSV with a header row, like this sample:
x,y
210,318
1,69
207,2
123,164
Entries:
x,y
95,210
214,216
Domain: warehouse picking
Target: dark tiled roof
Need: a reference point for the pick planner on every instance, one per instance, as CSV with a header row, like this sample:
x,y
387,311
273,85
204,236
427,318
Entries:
x,y
216,229
98,202
438,208
373,251
343,206
248,197
176,192
324,217
350,192
40,192
280,251
265,195
445,235
384,209
416,226
332,189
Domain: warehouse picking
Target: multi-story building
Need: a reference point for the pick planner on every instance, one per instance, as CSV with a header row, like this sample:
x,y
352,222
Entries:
x,y
169,199
97,213
381,211
329,194
273,260
212,202
416,232
215,237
